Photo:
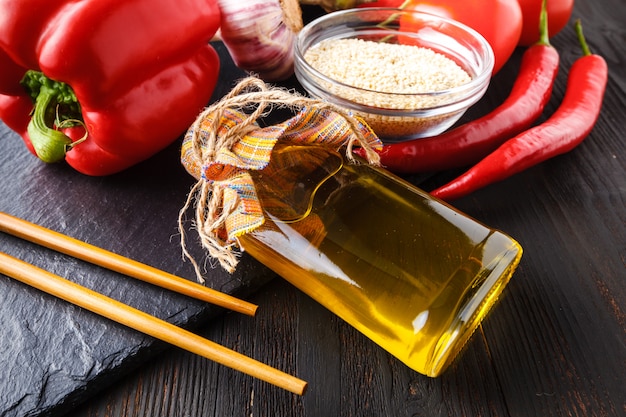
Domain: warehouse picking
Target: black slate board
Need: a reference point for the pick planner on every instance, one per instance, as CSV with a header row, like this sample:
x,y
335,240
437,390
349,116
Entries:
x,y
53,354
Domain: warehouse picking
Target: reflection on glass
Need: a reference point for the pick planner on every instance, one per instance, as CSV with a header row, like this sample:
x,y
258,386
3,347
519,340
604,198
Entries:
x,y
411,273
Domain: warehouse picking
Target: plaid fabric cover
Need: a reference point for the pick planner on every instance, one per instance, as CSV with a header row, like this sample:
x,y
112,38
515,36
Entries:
x,y
228,169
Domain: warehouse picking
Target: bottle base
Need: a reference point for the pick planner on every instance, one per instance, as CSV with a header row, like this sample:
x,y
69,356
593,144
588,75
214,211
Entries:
x,y
474,306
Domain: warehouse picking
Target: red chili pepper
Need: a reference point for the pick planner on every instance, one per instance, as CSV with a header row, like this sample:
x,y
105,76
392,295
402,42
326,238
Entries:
x,y
131,76
565,129
468,143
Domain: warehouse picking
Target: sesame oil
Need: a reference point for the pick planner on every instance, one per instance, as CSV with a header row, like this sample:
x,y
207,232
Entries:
x,y
413,274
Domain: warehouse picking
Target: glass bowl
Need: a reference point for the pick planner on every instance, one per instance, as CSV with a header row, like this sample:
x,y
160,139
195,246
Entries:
x,y
399,113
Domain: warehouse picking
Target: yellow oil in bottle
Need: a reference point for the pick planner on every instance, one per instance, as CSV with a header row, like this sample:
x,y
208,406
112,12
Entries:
x,y
411,273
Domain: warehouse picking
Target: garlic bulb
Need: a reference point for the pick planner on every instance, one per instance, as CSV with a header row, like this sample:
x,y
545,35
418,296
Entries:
x,y
260,35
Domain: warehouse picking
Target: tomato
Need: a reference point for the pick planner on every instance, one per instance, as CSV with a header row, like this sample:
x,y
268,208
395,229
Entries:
x,y
559,12
499,21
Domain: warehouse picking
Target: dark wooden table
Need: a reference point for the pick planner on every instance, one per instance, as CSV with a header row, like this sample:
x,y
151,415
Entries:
x,y
555,345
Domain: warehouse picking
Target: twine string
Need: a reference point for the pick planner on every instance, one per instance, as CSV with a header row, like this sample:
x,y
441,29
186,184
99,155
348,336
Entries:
x,y
213,200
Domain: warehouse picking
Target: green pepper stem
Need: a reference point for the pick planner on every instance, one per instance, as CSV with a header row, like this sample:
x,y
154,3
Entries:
x,y
544,36
50,144
49,97
578,27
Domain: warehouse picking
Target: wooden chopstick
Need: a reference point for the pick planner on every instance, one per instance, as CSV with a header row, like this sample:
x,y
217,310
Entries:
x,y
102,257
145,323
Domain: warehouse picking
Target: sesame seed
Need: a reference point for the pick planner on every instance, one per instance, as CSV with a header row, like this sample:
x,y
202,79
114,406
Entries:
x,y
386,68
387,75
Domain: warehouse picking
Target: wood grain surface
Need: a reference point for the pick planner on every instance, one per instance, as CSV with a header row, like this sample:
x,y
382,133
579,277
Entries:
x,y
555,344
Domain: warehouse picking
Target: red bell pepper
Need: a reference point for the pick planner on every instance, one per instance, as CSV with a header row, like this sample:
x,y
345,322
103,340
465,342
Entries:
x,y
128,77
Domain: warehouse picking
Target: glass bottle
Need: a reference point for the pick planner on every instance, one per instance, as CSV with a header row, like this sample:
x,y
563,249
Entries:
x,y
410,272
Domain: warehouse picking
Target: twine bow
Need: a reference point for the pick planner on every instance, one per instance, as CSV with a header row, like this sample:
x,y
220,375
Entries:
x,y
225,142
